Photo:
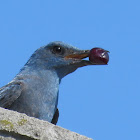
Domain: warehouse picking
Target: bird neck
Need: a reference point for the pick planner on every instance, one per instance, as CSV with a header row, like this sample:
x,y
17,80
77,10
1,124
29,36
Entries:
x,y
44,74
41,88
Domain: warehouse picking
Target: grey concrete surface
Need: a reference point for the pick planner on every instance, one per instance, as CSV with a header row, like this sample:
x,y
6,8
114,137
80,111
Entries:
x,y
18,126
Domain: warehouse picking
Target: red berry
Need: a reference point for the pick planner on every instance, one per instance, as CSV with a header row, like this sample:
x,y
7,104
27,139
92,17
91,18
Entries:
x,y
99,56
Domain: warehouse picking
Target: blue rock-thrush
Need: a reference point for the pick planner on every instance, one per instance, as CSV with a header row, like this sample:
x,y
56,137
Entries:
x,y
34,90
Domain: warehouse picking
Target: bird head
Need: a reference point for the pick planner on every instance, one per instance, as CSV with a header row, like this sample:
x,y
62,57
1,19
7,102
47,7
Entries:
x,y
61,57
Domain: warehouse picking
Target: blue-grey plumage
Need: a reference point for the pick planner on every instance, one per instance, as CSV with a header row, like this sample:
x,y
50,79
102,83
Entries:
x,y
34,90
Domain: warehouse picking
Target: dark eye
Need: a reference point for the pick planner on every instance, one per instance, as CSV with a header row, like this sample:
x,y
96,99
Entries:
x,y
58,50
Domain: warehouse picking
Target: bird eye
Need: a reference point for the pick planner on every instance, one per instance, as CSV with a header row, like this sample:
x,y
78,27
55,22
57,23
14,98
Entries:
x,y
57,50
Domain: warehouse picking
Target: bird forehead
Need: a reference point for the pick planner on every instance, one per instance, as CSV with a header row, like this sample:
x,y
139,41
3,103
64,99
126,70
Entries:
x,y
62,44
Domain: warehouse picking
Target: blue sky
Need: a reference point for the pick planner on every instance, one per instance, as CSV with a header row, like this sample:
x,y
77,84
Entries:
x,y
101,102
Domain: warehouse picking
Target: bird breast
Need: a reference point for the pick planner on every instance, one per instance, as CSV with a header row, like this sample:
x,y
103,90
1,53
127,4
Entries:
x,y
39,96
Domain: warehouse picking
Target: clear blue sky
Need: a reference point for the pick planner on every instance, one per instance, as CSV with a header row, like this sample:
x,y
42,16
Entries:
x,y
101,102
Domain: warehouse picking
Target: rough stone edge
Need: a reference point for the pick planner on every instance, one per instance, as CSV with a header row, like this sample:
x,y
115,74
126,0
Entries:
x,y
14,125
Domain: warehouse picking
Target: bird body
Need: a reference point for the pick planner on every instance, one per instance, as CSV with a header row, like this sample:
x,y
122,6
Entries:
x,y
34,90
36,100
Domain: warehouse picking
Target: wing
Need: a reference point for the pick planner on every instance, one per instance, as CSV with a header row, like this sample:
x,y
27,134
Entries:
x,y
9,93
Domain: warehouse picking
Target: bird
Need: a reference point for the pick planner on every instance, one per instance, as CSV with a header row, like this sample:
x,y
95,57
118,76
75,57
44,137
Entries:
x,y
35,89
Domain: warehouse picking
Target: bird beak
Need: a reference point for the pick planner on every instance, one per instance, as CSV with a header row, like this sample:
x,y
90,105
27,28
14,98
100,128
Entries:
x,y
78,56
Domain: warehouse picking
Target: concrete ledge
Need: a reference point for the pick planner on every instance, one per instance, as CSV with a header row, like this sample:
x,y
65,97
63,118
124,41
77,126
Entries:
x,y
18,126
